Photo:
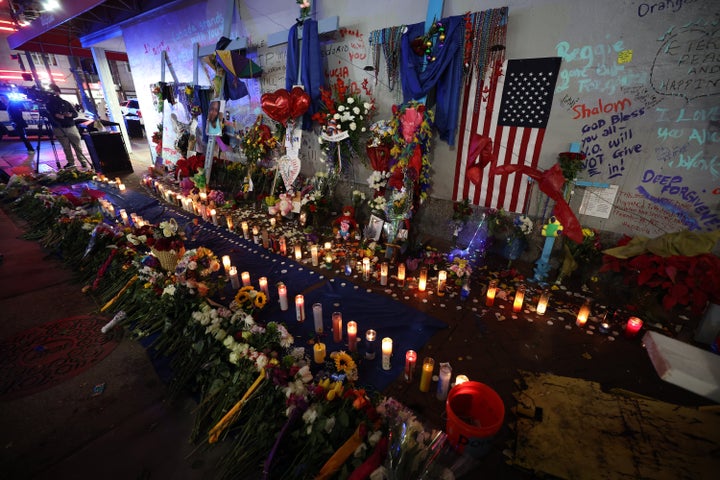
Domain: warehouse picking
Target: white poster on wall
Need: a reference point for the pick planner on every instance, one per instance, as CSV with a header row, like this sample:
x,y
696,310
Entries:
x,y
598,201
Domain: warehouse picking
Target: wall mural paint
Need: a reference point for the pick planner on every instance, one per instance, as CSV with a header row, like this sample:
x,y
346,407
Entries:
x,y
648,119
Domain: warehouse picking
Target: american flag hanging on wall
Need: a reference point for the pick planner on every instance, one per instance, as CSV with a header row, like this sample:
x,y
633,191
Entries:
x,y
513,111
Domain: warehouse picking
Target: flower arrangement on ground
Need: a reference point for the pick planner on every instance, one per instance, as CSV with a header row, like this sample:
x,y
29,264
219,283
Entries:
x,y
344,122
316,196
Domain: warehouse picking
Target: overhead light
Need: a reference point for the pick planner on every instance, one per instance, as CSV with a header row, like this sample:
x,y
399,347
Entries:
x,y
50,5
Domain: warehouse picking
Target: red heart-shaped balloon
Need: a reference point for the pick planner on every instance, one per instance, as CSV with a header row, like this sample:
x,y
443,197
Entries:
x,y
276,105
299,102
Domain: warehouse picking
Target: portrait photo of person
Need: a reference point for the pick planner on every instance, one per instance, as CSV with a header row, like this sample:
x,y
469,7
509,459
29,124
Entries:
x,y
216,114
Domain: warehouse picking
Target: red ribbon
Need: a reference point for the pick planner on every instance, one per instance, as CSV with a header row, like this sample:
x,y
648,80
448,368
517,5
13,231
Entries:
x,y
551,182
480,147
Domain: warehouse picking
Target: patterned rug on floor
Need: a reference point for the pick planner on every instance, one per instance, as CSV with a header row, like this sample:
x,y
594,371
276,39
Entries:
x,y
44,356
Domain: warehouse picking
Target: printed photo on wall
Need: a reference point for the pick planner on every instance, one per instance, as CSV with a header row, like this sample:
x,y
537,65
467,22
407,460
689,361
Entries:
x,y
216,113
374,228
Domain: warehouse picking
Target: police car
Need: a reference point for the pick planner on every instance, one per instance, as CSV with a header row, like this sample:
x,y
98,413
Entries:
x,y
30,109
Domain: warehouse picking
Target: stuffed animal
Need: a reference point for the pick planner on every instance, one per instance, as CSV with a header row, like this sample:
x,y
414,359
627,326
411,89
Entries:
x,y
345,223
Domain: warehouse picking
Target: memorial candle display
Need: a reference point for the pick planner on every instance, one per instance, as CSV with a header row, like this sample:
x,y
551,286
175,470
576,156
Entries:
x,y
256,234
491,292
519,298
314,255
370,338
352,335
229,221
263,281
282,293
124,216
386,347
426,375
542,303
213,215
583,314
337,327
319,352
245,276
366,268
384,274
410,360
300,308
422,280
234,280
443,385
442,280
298,252
633,326
226,263
246,230
318,317
283,246
401,275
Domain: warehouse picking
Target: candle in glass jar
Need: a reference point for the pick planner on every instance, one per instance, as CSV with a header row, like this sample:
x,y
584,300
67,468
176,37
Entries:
x,y
213,215
226,263
401,275
328,245
583,314
337,327
272,222
263,281
426,376
234,280
282,293
124,216
229,221
246,230
314,255
386,352
442,280
384,273
491,292
366,268
444,381
410,360
633,326
303,219
370,337
319,352
298,252
300,308
461,379
328,259
422,280
283,246
352,335
519,298
256,234
318,317
542,303
245,279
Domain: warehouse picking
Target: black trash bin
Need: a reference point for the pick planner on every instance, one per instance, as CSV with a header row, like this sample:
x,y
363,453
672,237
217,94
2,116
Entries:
x,y
108,152
134,128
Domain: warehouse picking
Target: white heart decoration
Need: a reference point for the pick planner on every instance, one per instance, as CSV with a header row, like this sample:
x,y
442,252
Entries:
x,y
289,170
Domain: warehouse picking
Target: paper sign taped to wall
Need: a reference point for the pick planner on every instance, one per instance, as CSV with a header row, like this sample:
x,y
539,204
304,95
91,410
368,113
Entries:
x,y
598,201
625,56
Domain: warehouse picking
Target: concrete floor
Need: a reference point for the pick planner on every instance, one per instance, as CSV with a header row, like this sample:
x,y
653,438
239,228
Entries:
x,y
130,432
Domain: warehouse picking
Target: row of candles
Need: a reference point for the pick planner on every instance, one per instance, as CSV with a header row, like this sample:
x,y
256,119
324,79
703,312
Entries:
x,y
117,183
632,326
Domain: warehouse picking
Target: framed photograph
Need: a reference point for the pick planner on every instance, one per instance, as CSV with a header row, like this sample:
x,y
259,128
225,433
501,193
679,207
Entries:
x,y
374,228
216,115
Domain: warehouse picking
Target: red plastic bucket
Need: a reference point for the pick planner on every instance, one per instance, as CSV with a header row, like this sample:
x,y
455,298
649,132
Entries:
x,y
475,413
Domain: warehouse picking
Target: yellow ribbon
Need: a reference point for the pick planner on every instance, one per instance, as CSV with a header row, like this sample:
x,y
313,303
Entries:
x,y
341,455
119,294
229,417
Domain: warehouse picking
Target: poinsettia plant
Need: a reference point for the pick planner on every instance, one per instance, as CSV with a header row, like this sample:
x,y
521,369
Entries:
x,y
692,281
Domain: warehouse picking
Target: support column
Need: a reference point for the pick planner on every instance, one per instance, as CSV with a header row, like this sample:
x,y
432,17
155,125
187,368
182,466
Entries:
x,y
111,98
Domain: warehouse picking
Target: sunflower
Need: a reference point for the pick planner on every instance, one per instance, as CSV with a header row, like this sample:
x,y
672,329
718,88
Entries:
x,y
260,300
242,297
344,362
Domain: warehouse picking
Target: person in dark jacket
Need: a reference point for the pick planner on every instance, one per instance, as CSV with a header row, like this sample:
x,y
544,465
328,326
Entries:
x,y
62,118
15,112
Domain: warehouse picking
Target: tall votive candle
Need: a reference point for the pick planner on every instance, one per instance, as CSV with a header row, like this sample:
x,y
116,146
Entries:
x,y
337,327
318,317
370,338
319,352
352,335
401,274
519,298
422,280
426,375
442,281
300,308
263,282
386,346
282,293
410,361
491,292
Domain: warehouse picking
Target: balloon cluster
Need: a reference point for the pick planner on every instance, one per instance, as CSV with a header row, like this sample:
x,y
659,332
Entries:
x,y
283,106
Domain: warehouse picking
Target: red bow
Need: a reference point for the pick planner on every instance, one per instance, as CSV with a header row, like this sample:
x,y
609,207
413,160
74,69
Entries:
x,y
480,147
551,182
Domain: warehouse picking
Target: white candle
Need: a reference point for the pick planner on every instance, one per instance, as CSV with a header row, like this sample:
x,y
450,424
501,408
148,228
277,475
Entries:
x,y
328,245
300,308
282,293
203,197
272,222
124,216
442,280
314,254
386,352
298,252
401,275
213,215
370,337
444,381
337,327
256,234
234,280
366,268
303,219
384,274
121,186
263,281
226,263
352,335
461,379
229,221
542,303
246,230
422,280
245,279
318,317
